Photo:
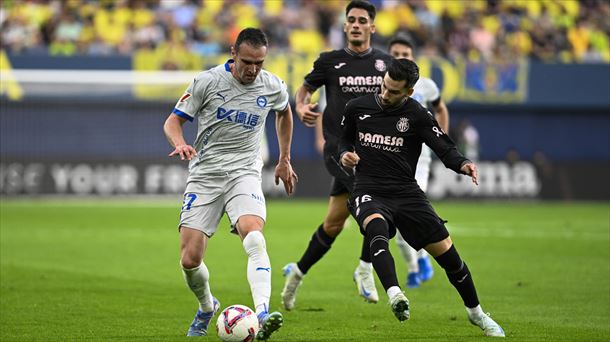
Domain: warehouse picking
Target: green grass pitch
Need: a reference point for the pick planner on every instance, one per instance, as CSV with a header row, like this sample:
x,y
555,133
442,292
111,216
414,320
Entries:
x,y
108,271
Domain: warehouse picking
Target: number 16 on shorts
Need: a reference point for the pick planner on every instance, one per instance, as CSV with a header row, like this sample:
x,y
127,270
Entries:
x,y
361,199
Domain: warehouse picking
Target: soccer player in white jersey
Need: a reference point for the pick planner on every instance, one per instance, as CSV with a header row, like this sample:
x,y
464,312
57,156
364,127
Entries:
x,y
230,103
425,92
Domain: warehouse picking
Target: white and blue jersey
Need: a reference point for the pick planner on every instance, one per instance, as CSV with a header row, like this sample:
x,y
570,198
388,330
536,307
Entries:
x,y
424,92
230,119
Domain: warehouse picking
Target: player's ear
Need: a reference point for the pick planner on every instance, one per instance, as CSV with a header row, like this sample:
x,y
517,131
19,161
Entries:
x,y
372,28
233,52
410,91
345,26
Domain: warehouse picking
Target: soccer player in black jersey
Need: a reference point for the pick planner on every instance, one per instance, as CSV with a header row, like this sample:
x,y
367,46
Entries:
x,y
346,74
382,139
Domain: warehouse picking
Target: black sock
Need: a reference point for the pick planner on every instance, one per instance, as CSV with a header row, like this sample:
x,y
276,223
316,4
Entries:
x,y
459,276
377,233
318,246
365,254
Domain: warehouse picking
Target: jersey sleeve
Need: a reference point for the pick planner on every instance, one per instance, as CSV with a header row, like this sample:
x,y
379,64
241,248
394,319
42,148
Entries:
x,y
189,103
430,132
317,76
433,94
282,100
350,131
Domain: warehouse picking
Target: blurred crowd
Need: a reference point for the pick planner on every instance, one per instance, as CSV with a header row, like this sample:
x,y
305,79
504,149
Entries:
x,y
556,31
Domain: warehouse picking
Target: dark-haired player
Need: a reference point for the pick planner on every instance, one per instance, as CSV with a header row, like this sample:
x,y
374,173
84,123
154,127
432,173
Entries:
x,y
229,104
382,139
348,73
426,92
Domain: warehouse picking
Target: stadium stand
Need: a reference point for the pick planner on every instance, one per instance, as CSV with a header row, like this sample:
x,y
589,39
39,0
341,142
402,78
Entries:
x,y
558,31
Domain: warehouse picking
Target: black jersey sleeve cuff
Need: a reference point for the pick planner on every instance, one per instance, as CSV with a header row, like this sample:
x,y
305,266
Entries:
x,y
462,165
310,86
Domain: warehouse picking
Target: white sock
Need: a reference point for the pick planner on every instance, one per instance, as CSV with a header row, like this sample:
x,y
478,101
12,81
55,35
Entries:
x,y
393,291
259,270
476,311
366,265
197,280
408,253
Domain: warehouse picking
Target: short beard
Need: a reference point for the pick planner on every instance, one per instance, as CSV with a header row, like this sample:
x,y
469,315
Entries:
x,y
356,42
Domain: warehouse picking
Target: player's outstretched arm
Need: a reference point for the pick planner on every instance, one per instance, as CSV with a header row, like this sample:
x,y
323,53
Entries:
x,y
283,170
305,110
173,132
470,169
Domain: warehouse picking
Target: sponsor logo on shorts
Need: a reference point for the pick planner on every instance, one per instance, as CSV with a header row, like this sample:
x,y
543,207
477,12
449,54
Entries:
x,y
258,197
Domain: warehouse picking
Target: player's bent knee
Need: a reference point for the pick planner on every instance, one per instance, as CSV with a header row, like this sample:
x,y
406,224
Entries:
x,y
190,261
249,223
333,229
439,248
370,218
254,240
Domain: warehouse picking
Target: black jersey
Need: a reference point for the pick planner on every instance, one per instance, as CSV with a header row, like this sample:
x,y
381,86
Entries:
x,y
389,141
346,75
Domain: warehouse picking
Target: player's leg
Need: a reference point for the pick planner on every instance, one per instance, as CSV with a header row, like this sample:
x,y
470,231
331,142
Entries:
x,y
422,176
445,253
250,229
363,275
376,229
410,256
320,243
324,236
193,243
425,266
192,247
247,214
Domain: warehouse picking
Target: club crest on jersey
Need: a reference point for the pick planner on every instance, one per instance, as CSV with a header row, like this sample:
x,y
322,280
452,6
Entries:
x,y
402,125
380,65
185,97
261,101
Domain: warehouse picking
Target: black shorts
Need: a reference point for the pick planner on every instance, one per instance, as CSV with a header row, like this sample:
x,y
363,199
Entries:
x,y
412,215
343,179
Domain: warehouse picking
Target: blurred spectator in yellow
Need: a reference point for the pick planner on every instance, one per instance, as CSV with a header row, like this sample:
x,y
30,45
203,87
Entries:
x,y
541,30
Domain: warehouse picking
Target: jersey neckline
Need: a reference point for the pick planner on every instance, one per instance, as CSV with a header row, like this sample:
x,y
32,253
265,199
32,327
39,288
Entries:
x,y
361,54
402,103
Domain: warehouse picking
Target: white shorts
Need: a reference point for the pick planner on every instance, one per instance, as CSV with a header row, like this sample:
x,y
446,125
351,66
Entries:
x,y
422,170
205,201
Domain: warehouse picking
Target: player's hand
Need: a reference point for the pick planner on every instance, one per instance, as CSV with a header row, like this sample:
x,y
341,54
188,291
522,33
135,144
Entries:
x,y
349,159
308,115
184,151
284,171
471,170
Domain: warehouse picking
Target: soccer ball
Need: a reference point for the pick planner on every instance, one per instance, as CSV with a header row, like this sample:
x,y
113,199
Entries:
x,y
237,323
